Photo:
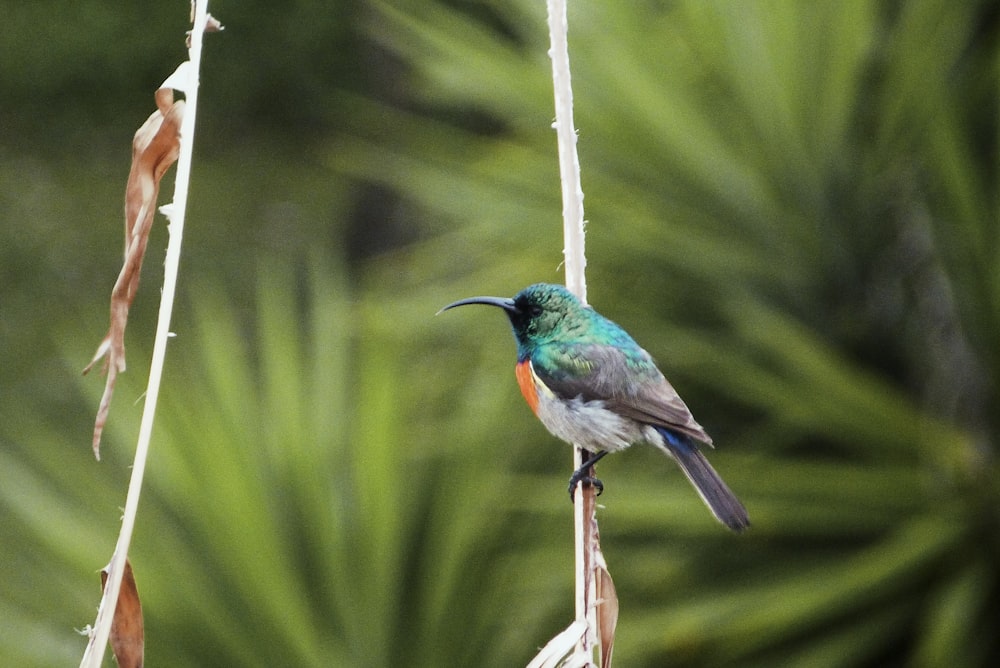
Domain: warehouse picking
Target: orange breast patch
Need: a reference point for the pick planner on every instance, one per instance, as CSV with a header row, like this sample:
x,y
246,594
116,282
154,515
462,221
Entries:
x,y
526,381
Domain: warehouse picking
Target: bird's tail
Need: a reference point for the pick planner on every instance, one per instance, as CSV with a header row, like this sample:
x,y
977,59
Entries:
x,y
713,491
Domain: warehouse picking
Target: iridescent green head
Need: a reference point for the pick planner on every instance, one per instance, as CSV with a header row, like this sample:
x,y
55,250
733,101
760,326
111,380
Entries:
x,y
542,313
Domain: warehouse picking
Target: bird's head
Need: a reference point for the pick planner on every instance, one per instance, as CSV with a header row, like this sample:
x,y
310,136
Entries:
x,y
540,313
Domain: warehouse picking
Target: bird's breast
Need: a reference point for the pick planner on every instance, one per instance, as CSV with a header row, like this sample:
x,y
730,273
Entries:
x,y
588,424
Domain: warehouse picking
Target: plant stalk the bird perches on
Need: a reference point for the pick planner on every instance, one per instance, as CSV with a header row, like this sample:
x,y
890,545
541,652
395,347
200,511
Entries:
x,y
591,384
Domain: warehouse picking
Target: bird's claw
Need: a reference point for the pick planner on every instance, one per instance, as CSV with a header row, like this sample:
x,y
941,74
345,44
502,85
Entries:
x,y
587,480
581,475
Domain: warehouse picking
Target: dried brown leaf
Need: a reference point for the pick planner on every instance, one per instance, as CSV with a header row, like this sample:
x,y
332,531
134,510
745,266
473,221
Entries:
x,y
127,637
154,148
607,607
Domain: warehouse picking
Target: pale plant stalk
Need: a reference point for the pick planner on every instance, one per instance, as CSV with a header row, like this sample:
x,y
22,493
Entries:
x,y
569,163
584,518
184,79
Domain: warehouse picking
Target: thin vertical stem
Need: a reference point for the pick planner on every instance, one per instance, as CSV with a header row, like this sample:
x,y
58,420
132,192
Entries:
x,y
584,519
569,164
185,79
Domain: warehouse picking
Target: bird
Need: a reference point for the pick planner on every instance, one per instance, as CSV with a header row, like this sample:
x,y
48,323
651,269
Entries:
x,y
592,385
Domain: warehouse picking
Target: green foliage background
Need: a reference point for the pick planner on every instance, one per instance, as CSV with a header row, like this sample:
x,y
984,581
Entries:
x,y
792,205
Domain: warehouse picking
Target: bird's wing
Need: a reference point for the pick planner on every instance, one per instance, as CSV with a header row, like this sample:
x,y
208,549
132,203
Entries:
x,y
629,384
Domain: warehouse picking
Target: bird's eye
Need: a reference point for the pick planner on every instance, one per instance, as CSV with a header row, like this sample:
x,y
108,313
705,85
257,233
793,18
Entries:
x,y
534,310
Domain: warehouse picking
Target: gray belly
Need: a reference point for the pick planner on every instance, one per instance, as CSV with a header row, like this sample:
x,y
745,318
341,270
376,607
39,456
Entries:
x,y
590,425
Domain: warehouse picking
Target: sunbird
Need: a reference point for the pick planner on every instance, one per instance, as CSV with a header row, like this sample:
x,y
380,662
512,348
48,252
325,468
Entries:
x,y
592,385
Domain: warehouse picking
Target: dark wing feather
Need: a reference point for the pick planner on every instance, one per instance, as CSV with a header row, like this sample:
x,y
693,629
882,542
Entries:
x,y
628,383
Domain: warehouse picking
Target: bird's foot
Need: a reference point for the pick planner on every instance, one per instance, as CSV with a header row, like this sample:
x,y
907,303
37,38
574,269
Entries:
x,y
586,480
582,474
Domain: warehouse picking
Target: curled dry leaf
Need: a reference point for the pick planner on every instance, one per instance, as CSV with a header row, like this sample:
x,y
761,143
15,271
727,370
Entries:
x,y
126,627
560,651
606,599
154,148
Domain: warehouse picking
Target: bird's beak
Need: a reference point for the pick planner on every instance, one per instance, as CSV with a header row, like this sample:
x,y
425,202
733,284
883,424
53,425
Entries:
x,y
506,303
